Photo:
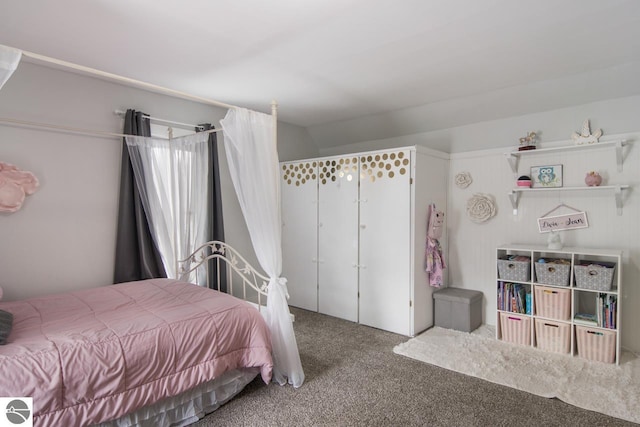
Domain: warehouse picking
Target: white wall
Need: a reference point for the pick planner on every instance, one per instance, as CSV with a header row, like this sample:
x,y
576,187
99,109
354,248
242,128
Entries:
x,y
471,247
63,238
612,116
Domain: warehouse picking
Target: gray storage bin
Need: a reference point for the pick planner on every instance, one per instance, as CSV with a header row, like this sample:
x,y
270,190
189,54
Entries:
x,y
594,275
553,272
514,269
459,309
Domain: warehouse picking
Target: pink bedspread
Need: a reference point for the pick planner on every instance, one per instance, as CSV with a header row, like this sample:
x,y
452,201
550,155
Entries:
x,y
94,355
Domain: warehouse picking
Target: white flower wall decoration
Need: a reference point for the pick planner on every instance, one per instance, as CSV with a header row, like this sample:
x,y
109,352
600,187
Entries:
x,y
463,179
481,207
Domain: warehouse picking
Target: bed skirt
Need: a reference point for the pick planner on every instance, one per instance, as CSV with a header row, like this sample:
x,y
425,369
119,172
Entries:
x,y
190,406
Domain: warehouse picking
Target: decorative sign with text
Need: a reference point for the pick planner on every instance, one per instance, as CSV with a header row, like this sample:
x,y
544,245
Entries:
x,y
563,222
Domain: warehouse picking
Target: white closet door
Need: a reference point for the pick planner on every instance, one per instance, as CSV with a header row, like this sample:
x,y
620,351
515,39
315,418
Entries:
x,y
299,232
385,241
338,237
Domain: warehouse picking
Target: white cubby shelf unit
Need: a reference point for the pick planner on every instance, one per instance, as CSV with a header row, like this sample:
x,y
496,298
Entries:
x,y
568,303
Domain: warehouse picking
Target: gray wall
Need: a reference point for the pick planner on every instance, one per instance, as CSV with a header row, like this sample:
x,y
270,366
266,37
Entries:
x,y
63,238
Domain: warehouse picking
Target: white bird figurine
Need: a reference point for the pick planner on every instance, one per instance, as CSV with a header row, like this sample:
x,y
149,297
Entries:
x,y
586,137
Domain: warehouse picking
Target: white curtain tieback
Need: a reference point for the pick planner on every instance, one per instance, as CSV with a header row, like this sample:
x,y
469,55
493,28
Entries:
x,y
282,281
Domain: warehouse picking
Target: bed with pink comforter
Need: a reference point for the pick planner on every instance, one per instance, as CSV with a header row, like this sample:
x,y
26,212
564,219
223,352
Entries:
x,y
94,355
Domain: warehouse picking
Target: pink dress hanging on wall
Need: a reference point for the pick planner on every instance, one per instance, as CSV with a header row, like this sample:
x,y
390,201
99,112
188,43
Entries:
x,y
434,259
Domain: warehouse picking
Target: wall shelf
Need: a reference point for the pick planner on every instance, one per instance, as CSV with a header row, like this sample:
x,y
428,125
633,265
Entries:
x,y
515,194
513,157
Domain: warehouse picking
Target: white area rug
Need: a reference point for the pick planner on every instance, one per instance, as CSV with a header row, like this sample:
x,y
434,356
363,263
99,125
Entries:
x,y
607,388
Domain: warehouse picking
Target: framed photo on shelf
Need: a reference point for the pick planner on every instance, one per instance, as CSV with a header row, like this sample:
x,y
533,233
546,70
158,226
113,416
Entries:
x,y
546,176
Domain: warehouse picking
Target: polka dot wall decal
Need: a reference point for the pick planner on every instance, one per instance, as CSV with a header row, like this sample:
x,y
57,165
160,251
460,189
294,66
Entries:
x,y
379,166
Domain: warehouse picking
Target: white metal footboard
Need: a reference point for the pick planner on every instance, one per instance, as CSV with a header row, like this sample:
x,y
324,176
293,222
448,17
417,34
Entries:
x,y
240,275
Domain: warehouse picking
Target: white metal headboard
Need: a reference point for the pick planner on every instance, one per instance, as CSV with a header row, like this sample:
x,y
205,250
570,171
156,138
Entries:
x,y
235,266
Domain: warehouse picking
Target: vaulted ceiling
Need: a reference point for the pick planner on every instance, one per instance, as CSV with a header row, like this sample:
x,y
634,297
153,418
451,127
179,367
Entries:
x,y
352,70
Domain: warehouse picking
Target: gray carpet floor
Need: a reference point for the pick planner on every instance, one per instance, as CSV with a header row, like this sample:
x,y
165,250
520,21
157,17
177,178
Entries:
x,y
353,378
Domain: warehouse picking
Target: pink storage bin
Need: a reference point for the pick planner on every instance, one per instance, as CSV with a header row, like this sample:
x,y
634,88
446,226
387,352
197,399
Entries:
x,y
552,303
553,336
515,328
596,344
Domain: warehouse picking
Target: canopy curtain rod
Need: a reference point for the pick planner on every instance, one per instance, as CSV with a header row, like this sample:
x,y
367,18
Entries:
x,y
126,80
158,119
35,57
90,132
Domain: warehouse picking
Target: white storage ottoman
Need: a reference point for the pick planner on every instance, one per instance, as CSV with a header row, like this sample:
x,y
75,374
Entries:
x,y
457,308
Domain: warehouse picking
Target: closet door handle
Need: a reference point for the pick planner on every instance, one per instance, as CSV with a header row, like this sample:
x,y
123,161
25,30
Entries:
x,y
363,226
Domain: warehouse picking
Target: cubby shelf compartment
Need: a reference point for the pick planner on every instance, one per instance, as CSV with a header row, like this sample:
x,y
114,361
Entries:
x,y
515,194
514,156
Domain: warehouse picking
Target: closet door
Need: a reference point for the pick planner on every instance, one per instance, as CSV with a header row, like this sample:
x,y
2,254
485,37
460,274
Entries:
x,y
338,237
385,240
299,192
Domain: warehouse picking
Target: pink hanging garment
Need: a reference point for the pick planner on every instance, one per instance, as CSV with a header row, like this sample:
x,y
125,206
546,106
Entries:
x,y
435,263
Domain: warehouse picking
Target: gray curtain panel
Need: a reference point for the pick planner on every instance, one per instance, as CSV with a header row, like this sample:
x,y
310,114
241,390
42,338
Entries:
x,y
6,322
137,257
214,197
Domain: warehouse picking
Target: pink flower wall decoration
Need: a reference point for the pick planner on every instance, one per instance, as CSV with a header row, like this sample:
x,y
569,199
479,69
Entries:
x,y
15,184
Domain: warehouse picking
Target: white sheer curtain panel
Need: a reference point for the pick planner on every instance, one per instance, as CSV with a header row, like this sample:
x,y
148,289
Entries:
x,y
9,60
253,163
171,176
